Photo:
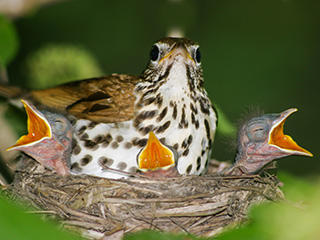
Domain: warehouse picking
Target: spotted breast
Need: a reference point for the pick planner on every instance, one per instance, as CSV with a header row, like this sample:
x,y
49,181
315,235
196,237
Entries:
x,y
170,101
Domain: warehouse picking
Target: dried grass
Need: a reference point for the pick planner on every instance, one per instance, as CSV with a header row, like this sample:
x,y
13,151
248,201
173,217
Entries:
x,y
103,208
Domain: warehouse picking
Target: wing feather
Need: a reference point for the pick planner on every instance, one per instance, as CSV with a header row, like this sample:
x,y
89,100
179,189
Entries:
x,y
107,99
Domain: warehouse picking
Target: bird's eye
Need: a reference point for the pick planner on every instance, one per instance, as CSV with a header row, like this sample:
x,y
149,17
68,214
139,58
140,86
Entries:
x,y
258,133
154,53
197,55
59,126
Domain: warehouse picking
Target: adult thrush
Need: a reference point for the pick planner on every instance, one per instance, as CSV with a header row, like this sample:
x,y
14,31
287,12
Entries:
x,y
112,116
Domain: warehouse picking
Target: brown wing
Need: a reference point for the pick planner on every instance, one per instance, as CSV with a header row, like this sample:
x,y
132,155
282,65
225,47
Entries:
x,y
107,99
10,91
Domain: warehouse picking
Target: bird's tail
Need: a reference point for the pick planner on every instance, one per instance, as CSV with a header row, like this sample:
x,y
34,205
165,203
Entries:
x,y
10,92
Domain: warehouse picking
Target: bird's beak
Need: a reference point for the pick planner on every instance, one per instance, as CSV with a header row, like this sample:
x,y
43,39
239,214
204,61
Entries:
x,y
38,128
155,155
284,142
177,50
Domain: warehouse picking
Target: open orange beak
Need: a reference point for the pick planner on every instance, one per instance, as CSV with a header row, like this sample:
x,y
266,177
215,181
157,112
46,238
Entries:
x,y
155,155
284,142
38,128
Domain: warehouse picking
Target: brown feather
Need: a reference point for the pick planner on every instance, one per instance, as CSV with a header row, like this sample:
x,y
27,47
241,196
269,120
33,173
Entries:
x,y
107,99
10,91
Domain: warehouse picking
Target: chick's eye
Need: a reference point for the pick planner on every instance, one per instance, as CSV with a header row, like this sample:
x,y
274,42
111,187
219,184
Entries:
x,y
258,133
154,53
197,55
59,126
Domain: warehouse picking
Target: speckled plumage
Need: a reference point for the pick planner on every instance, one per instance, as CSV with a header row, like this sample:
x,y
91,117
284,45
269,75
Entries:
x,y
170,101
112,116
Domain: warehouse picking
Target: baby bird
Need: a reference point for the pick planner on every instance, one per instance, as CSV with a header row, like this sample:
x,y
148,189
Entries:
x,y
49,139
261,140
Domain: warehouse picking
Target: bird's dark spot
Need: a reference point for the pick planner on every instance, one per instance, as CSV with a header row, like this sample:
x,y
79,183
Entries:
x,y
206,124
115,145
75,147
92,125
142,142
75,167
84,136
147,114
105,162
163,127
109,137
175,146
184,144
159,100
90,144
149,101
183,123
140,87
203,152
85,160
190,139
197,124
193,108
143,116
136,122
98,139
209,144
189,168
198,163
185,152
147,93
203,106
128,145
146,130
190,79
163,140
119,138
121,165
162,114
174,112
135,141
81,130
166,73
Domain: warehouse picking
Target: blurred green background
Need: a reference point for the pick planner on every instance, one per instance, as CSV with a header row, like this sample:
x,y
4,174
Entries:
x,y
255,53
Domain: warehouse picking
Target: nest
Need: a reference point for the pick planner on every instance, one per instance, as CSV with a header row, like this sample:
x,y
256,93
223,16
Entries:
x,y
102,208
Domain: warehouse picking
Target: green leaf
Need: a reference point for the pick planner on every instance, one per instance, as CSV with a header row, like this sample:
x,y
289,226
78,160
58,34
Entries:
x,y
18,225
55,64
8,41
